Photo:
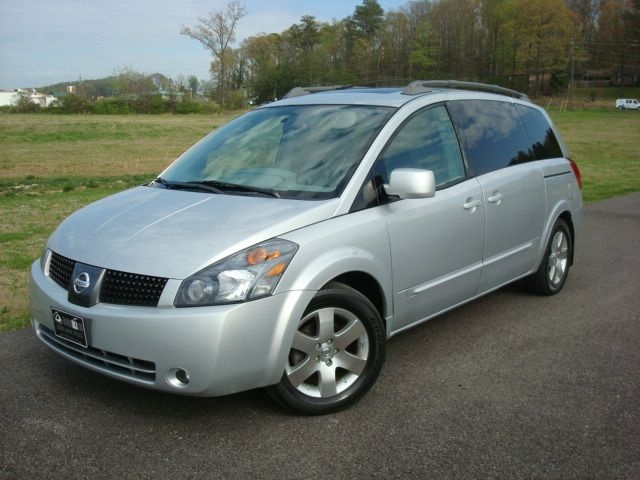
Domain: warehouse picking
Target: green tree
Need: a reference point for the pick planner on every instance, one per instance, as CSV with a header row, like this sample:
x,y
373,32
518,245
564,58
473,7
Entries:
x,y
304,38
132,83
368,22
396,44
538,35
369,18
455,28
193,84
270,72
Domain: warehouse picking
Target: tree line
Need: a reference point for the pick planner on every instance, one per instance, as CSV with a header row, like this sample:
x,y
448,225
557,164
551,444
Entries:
x,y
129,91
530,45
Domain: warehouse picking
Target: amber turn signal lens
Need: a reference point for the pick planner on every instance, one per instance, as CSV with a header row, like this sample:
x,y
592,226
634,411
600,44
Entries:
x,y
276,270
254,257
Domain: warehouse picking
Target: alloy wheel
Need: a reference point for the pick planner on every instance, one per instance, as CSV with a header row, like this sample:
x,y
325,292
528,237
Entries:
x,y
329,352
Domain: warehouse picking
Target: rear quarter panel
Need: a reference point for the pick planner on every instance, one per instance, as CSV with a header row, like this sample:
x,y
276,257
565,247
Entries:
x,y
563,195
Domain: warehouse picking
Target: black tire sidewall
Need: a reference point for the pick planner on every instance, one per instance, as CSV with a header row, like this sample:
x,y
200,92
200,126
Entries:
x,y
560,225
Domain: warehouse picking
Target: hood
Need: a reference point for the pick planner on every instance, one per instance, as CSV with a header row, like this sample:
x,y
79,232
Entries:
x,y
172,233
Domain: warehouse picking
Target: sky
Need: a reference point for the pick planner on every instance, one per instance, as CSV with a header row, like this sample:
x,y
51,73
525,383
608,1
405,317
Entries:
x,y
43,42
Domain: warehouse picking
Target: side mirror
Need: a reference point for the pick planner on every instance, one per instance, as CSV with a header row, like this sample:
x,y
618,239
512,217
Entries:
x,y
411,183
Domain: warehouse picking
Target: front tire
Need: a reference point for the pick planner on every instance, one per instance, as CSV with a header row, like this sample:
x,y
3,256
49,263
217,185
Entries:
x,y
337,353
554,269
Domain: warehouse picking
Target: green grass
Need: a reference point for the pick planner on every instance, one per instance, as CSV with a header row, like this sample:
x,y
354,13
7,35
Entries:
x,y
605,145
96,145
51,165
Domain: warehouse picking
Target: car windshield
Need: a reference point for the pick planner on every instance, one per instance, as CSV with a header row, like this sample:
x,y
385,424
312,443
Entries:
x,y
303,152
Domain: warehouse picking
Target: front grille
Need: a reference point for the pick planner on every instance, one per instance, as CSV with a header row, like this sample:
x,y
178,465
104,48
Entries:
x,y
131,289
61,269
119,288
132,368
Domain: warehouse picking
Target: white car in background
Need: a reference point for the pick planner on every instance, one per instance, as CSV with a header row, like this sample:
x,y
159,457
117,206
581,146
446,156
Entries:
x,y
627,104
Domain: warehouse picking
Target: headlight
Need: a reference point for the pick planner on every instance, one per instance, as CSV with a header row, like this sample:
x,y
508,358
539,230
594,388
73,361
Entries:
x,y
248,274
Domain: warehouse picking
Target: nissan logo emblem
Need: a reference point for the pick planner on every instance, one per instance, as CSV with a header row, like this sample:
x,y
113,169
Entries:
x,y
81,282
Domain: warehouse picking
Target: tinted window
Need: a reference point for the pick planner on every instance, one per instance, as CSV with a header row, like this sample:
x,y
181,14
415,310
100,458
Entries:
x,y
427,141
492,134
544,143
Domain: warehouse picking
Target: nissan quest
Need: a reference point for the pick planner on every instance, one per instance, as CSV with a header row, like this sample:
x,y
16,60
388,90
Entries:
x,y
286,247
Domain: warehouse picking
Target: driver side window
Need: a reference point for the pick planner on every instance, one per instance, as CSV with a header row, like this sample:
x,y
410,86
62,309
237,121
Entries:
x,y
426,141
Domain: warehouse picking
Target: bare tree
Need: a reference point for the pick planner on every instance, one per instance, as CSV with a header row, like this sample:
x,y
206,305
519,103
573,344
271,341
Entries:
x,y
216,32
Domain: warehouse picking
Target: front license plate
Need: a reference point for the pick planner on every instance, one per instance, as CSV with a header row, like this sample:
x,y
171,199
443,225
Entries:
x,y
69,327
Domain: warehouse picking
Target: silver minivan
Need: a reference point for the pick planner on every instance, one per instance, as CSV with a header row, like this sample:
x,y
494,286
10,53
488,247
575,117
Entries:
x,y
287,246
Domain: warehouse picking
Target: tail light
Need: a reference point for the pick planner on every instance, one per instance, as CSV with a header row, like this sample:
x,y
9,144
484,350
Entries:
x,y
576,172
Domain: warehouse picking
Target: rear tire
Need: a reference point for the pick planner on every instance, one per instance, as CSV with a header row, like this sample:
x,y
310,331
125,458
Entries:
x,y
337,353
554,269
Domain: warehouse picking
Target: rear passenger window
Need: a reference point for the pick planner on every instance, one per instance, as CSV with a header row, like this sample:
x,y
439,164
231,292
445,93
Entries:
x,y
544,143
492,134
427,141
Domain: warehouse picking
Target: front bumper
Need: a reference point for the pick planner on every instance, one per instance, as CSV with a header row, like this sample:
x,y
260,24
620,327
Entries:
x,y
224,349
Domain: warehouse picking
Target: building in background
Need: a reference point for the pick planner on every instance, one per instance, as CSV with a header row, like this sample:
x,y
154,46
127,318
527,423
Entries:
x,y
13,96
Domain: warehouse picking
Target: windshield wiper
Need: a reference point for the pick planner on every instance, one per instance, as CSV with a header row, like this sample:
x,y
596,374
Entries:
x,y
240,188
215,186
187,186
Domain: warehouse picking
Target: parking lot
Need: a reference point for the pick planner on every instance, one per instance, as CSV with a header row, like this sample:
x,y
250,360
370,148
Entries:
x,y
509,386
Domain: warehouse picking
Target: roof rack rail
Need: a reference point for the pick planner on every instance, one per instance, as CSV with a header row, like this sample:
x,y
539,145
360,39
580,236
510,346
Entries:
x,y
425,86
300,91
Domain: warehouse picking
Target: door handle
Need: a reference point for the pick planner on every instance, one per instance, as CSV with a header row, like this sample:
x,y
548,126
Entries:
x,y
495,198
471,204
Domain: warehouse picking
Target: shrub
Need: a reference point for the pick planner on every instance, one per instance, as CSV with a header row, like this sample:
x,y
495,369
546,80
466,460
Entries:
x,y
24,105
210,107
149,104
71,104
111,106
235,100
188,107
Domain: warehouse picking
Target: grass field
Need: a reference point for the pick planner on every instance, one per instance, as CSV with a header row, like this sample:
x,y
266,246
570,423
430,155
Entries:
x,y
51,165
606,146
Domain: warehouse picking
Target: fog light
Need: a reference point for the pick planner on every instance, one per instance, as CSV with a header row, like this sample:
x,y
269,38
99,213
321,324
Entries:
x,y
182,376
177,377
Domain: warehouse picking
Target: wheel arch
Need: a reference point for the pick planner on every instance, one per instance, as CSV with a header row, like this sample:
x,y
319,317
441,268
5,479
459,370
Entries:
x,y
365,271
368,286
562,210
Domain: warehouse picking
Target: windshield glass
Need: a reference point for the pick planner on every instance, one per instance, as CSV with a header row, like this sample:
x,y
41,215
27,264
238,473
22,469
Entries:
x,y
306,152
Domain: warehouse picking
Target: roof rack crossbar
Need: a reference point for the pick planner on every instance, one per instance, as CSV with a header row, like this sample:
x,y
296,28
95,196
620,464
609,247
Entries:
x,y
426,86
300,91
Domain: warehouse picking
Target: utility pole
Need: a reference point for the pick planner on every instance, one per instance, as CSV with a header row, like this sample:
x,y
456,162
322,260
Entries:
x,y
622,55
571,84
